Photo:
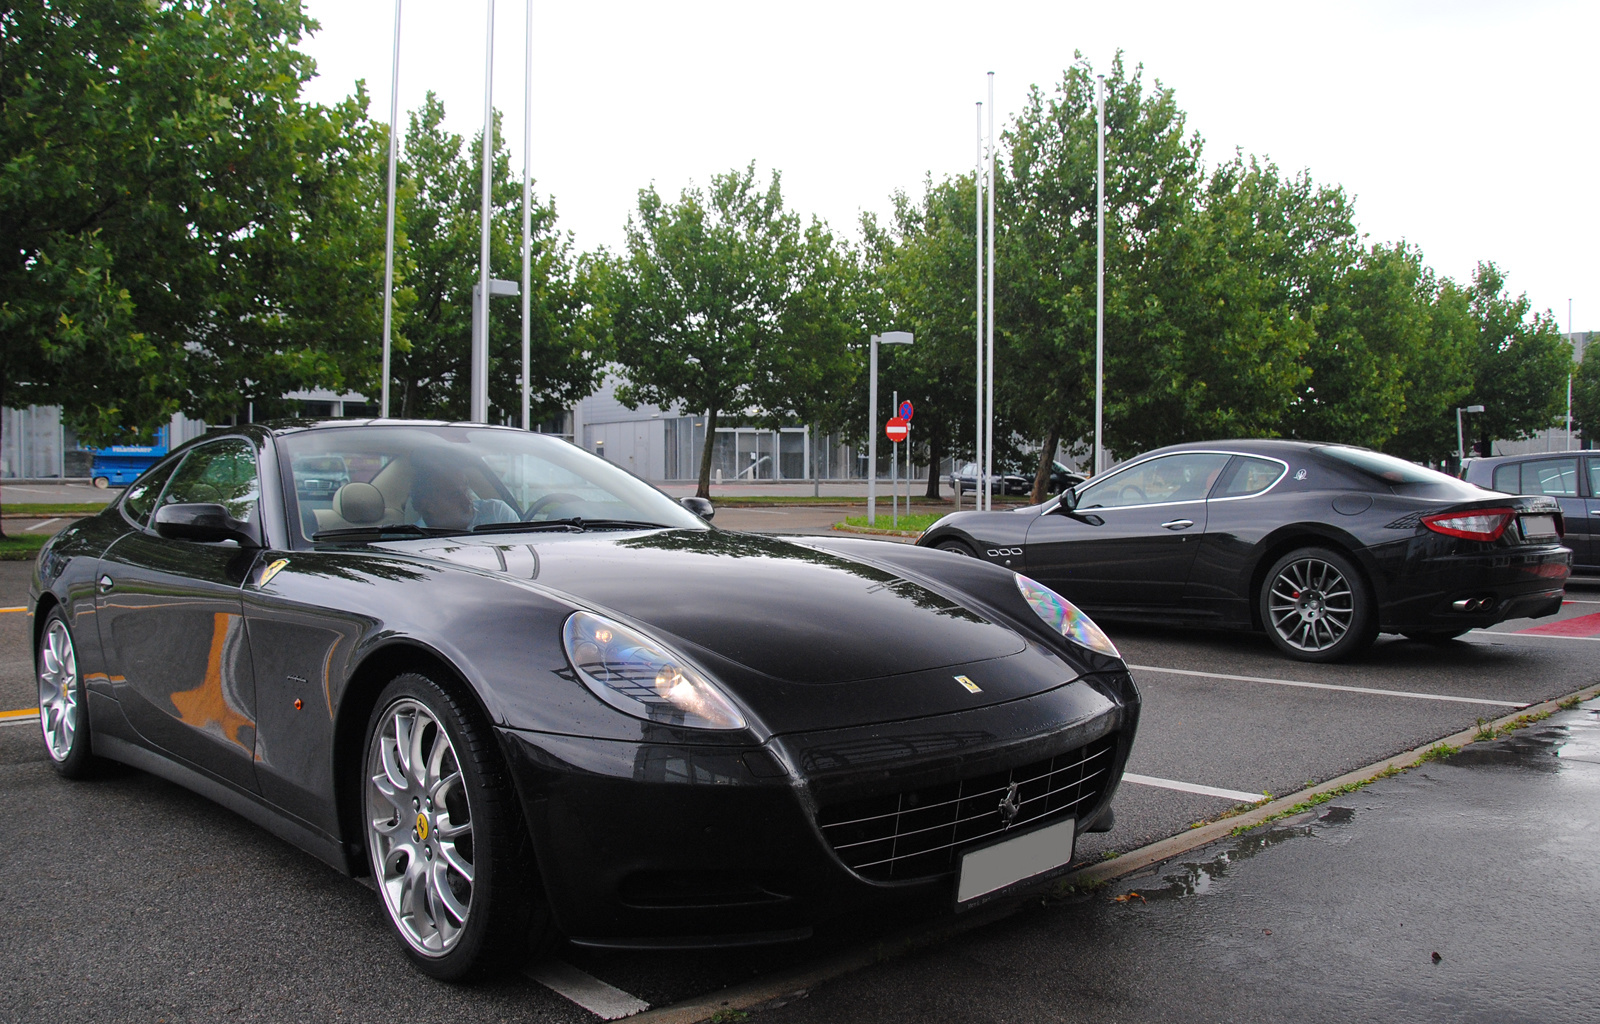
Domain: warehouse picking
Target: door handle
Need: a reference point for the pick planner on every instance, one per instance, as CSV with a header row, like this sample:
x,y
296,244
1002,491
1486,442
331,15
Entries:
x,y
1178,524
105,584
1594,511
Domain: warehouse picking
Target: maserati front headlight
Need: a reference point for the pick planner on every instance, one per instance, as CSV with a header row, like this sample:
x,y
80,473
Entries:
x,y
640,677
1064,617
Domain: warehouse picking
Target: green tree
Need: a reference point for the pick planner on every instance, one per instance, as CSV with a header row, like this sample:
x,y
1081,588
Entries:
x,y
174,217
1586,397
717,298
924,265
1518,362
439,190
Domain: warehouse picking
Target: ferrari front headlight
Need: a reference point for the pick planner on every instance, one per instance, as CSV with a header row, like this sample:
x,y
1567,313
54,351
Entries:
x,y
1065,618
640,677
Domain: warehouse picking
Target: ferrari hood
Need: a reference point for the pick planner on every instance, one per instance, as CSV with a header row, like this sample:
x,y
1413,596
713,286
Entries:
x,y
788,612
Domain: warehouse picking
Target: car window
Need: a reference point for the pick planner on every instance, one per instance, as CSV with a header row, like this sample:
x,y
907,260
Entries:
x,y
1555,477
1507,478
1187,476
223,473
140,496
1247,475
1594,477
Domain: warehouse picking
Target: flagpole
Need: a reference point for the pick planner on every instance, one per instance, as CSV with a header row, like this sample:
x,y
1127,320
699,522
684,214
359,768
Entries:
x,y
480,344
388,243
977,448
527,214
1099,272
988,437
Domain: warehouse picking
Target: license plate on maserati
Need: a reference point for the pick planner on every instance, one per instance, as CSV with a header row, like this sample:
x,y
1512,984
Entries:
x,y
988,870
1539,527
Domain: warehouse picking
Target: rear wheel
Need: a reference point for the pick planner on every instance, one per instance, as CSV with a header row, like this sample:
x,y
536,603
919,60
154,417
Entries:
x,y
1315,606
445,836
63,711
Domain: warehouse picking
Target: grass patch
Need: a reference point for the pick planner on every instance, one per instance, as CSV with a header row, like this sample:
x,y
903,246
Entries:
x,y
914,521
1437,752
1322,798
20,508
726,1014
22,547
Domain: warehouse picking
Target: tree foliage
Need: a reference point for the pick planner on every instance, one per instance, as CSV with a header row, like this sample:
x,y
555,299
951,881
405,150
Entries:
x,y
438,219
723,303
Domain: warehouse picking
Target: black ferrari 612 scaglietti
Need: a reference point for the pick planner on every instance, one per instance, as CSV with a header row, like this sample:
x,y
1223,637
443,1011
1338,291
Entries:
x,y
531,694
1321,546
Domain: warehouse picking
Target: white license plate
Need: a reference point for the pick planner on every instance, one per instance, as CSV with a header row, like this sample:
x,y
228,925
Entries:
x,y
1012,860
1539,527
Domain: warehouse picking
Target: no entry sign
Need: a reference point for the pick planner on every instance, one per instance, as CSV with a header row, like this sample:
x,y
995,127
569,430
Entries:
x,y
896,429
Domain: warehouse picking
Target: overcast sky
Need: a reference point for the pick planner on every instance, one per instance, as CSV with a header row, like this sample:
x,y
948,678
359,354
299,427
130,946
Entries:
x,y
1467,128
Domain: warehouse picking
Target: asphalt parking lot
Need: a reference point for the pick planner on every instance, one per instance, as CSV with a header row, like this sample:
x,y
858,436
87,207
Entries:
x,y
132,899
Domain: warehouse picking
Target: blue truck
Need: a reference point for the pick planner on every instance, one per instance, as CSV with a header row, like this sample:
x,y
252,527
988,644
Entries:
x,y
120,464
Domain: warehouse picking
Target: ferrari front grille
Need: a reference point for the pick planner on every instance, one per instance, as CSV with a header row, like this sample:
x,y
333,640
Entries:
x,y
917,833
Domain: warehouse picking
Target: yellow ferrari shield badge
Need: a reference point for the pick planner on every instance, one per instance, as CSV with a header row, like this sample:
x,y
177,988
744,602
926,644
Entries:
x,y
971,686
422,826
271,571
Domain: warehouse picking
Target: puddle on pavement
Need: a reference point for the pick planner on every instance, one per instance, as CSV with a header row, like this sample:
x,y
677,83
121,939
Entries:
x,y
1568,737
1197,879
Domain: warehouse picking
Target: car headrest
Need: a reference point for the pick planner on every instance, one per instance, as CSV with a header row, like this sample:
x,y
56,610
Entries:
x,y
358,503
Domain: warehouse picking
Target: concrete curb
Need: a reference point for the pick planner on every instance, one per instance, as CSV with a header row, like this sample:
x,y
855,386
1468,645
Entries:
x,y
794,984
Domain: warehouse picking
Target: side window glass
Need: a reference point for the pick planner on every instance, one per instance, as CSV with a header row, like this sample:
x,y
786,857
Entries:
x,y
1182,477
141,494
1247,475
222,473
1555,477
1506,478
1594,477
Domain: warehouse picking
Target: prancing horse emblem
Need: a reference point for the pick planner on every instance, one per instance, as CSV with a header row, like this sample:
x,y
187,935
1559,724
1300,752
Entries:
x,y
1010,805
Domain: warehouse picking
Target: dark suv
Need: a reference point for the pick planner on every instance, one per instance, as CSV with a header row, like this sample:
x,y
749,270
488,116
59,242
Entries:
x,y
1572,478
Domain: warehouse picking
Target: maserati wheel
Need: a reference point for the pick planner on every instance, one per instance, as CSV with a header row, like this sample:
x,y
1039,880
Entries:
x,y
63,715
1314,606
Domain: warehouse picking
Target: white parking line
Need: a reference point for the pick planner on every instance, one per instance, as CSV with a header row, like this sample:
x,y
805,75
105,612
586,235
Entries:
x,y
1236,795
47,522
32,719
1532,636
604,1001
1332,686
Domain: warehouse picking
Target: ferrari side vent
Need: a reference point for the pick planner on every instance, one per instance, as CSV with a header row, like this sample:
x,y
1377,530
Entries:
x,y
917,833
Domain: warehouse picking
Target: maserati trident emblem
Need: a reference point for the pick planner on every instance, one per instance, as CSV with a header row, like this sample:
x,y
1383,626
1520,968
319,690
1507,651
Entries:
x,y
1010,805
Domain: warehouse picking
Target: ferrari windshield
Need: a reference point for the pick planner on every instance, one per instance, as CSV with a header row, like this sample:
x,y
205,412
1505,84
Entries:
x,y
459,479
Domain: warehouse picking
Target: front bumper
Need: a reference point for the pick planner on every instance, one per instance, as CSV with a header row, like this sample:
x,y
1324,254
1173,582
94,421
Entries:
x,y
1472,590
654,845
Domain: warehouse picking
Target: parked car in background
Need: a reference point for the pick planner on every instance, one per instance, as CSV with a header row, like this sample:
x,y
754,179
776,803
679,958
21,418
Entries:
x,y
1571,478
1010,480
1321,546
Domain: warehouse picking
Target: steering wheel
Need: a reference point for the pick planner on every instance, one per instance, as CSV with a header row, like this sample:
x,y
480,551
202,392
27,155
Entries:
x,y
553,498
1137,491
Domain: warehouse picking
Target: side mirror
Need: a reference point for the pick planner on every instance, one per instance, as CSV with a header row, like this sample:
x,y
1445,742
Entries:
x,y
204,522
1069,500
699,506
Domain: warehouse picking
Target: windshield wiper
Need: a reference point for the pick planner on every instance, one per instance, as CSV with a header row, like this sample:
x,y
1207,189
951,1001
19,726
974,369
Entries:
x,y
380,532
576,524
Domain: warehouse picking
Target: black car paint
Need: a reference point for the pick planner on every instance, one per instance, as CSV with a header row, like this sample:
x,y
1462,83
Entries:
x,y
251,682
1581,510
1208,574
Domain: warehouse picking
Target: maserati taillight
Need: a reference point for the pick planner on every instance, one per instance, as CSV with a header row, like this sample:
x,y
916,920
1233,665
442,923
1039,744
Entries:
x,y
1478,524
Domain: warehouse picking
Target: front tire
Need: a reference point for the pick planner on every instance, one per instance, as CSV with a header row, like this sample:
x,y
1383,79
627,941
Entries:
x,y
955,547
1315,606
63,708
445,836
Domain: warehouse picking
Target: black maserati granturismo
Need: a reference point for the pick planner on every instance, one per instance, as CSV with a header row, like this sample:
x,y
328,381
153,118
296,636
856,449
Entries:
x,y
1321,546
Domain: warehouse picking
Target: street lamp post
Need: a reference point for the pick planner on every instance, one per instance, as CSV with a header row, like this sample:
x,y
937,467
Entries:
x,y
887,338
1461,441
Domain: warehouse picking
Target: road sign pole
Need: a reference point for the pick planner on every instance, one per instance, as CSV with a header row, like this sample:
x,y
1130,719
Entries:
x,y
894,474
872,432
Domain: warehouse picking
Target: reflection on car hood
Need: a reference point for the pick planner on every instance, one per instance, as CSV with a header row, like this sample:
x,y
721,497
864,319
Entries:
x,y
789,612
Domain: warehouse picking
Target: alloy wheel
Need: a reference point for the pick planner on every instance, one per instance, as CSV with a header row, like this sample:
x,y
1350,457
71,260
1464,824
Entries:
x,y
1312,605
419,828
58,690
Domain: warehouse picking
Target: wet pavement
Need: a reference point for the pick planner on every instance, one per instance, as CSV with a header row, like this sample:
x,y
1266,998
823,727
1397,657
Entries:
x,y
1464,890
